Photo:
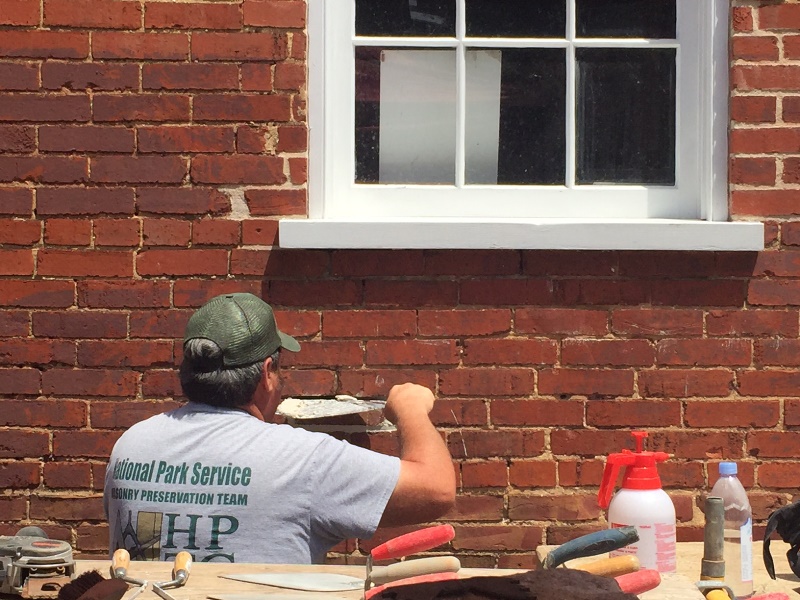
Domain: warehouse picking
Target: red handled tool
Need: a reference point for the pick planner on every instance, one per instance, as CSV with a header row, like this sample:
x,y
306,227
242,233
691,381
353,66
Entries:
x,y
409,581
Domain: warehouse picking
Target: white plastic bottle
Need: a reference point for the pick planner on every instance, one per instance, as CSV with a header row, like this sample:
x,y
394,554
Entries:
x,y
642,503
738,547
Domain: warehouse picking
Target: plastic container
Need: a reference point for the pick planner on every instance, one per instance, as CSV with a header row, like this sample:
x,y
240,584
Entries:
x,y
738,530
642,503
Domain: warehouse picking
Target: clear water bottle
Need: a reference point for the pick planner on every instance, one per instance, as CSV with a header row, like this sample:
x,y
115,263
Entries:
x,y
738,552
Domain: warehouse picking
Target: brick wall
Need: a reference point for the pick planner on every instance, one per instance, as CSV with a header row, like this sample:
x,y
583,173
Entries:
x,y
147,150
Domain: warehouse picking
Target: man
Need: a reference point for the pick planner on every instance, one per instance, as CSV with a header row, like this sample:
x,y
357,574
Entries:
x,y
216,478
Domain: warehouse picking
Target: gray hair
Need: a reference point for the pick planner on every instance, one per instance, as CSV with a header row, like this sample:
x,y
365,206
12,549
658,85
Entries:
x,y
205,379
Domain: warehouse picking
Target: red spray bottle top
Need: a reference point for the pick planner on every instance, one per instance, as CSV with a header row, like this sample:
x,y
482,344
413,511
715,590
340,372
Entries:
x,y
640,470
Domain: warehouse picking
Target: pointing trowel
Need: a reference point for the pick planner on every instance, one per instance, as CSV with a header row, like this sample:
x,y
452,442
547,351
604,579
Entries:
x,y
410,543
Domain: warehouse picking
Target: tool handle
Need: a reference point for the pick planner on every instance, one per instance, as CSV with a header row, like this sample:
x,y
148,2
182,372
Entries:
x,y
410,581
120,561
416,541
639,582
717,595
612,567
412,568
183,565
590,545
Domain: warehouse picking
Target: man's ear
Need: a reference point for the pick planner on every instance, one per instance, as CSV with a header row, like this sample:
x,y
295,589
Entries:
x,y
267,370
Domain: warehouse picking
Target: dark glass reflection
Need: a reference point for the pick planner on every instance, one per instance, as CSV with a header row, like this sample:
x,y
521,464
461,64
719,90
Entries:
x,y
516,18
433,18
626,116
368,114
626,18
532,117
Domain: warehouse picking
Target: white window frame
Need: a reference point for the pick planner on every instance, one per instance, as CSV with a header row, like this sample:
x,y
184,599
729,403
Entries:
x,y
342,214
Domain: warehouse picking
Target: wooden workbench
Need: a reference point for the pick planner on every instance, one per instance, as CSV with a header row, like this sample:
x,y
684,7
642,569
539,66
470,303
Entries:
x,y
204,579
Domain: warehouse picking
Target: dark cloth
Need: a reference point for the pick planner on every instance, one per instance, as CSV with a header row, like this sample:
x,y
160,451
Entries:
x,y
786,521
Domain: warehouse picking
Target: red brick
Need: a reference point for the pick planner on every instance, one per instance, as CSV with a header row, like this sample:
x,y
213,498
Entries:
x,y
140,46
182,201
20,381
589,382
242,107
699,293
159,323
380,262
188,139
95,76
698,444
290,76
166,232
60,413
777,352
255,140
19,77
747,413
16,262
20,12
19,475
459,412
602,292
487,474
476,508
768,139
312,382
682,475
561,321
13,509
753,109
488,382
781,475
588,442
791,47
80,324
769,383
143,108
124,353
472,262
753,171
369,324
241,169
779,17
141,169
275,202
44,44
458,323
117,232
765,77
14,323
573,507
298,171
89,382
68,232
43,169
120,414
367,383
506,291
607,352
85,138
755,48
773,293
496,443
32,294
515,351
16,202
238,46
791,171
182,262
279,263
742,18
541,413
567,262
259,232
705,352
292,138
93,13
37,352
580,472
323,354
298,323
410,293
67,509
190,76
771,444
633,413
210,232
679,383
24,444
92,444
761,323
657,322
85,263
192,15
67,475
17,139
256,77
194,292
532,473
497,538
412,352
84,201
124,294
272,13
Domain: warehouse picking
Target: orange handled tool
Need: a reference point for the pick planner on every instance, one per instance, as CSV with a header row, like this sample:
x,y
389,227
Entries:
x,y
410,581
639,582
416,541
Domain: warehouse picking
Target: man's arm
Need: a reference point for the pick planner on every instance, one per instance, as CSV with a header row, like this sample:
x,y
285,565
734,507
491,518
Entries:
x,y
426,488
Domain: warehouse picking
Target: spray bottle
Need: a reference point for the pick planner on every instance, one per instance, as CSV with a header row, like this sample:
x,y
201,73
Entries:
x,y
641,503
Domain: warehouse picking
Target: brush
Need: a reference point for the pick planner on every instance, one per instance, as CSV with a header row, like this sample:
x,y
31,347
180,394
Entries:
x,y
93,586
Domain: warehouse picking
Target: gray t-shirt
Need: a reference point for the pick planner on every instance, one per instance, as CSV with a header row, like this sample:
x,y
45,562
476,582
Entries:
x,y
225,486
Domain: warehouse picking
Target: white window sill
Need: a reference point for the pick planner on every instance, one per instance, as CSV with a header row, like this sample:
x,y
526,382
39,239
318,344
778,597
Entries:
x,y
522,234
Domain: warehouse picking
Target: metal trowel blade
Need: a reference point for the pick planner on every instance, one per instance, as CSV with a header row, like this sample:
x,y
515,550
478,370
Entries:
x,y
309,582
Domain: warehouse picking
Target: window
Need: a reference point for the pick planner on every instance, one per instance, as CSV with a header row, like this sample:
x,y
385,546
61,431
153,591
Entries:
x,y
505,116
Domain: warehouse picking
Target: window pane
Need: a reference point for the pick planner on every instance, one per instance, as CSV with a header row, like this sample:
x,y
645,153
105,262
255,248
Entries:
x,y
626,116
516,18
406,18
516,116
626,18
405,116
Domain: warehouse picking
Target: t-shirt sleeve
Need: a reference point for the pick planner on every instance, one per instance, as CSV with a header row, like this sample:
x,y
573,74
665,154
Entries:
x,y
353,487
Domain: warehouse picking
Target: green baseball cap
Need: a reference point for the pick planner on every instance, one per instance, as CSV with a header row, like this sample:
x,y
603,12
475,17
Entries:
x,y
242,325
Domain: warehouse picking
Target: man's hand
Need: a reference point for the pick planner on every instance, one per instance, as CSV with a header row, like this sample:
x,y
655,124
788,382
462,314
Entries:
x,y
407,397
427,485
